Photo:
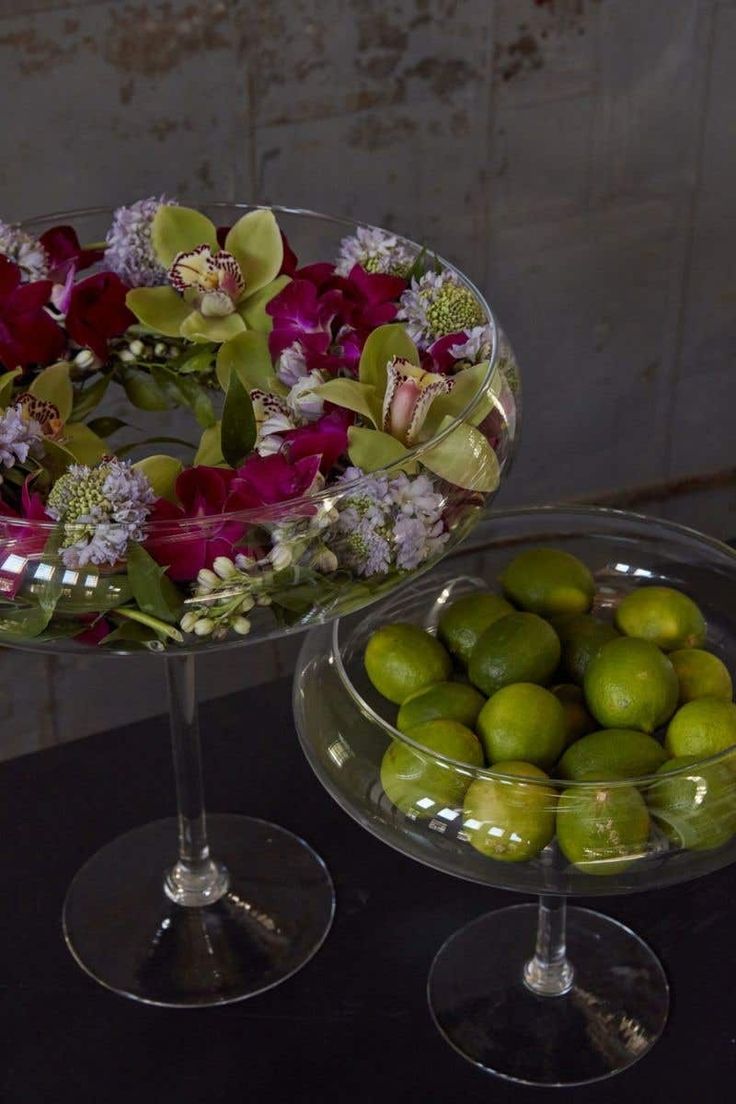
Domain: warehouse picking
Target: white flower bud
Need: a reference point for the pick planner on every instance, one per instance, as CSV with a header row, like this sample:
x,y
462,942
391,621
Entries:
x,y
244,562
207,579
159,349
241,626
246,604
204,626
224,567
280,556
263,600
189,620
126,356
85,358
136,347
325,561
219,632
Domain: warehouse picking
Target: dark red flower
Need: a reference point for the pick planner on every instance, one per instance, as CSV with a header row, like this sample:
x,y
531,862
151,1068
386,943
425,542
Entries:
x,y
290,261
28,334
97,312
64,252
185,549
96,631
326,439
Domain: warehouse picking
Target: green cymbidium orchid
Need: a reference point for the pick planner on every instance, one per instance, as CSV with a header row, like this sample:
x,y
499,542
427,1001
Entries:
x,y
214,294
407,407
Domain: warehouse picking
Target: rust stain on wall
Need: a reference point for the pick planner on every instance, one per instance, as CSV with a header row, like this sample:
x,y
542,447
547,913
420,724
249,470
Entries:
x,y
377,132
153,39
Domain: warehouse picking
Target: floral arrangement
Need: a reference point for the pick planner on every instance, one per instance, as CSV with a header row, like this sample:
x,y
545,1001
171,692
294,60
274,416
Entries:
x,y
347,424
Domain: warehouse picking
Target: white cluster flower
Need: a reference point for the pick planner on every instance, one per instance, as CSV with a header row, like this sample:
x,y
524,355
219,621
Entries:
x,y
376,251
25,251
387,522
439,304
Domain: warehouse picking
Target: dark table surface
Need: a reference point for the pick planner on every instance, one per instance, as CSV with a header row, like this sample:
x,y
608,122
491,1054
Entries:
x,y
353,1025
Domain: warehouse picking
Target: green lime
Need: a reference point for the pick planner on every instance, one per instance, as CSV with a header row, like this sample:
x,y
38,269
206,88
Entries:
x,y
415,782
452,701
602,831
578,720
548,581
703,727
401,659
697,809
522,722
462,623
510,821
520,647
612,753
582,637
630,684
664,616
701,675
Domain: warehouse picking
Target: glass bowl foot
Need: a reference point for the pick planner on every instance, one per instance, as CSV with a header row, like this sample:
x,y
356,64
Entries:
x,y
126,933
610,1017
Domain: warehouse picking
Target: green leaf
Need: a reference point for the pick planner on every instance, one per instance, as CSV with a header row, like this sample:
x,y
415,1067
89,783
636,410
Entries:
x,y
385,342
238,432
185,391
248,354
161,309
253,308
255,242
193,361
209,452
162,472
53,385
133,637
56,458
161,628
353,396
467,386
84,445
372,449
179,230
85,400
7,380
143,391
198,328
152,589
463,458
106,426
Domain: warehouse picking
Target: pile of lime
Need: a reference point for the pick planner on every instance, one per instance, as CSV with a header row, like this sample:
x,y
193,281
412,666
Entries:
x,y
534,685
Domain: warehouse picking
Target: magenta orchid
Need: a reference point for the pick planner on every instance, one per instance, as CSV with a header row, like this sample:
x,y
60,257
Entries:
x,y
28,333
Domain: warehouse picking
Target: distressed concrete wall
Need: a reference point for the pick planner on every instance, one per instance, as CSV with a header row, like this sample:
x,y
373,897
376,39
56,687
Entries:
x,y
577,157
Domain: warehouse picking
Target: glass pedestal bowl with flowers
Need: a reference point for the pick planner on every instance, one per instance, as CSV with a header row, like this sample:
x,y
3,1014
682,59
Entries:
x,y
206,441
545,995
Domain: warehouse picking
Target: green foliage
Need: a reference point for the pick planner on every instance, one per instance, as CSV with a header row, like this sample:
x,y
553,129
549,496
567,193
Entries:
x,y
154,592
238,433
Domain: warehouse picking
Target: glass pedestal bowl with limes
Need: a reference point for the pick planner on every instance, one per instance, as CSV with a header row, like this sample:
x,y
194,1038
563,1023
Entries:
x,y
550,712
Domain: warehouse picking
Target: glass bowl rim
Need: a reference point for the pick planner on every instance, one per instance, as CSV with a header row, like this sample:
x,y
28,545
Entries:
x,y
487,773
283,510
